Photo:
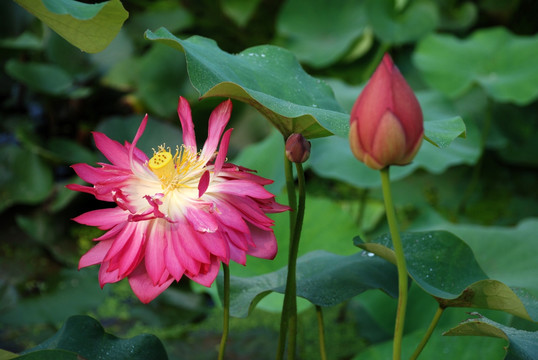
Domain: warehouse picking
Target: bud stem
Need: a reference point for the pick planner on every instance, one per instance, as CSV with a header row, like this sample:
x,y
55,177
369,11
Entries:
x,y
400,264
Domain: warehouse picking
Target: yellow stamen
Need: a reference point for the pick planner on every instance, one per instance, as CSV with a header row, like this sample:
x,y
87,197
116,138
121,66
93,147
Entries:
x,y
182,170
162,164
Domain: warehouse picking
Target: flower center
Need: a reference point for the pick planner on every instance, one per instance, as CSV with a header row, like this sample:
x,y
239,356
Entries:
x,y
181,170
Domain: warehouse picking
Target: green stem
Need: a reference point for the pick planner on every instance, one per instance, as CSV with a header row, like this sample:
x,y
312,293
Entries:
x,y
288,322
321,330
292,203
400,264
428,333
226,316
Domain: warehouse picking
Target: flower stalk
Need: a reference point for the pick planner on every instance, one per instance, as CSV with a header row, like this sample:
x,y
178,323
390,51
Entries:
x,y
428,333
321,331
226,311
400,264
288,324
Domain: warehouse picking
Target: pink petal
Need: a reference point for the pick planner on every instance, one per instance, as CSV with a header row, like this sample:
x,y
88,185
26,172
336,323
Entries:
x,y
215,244
242,188
217,122
223,150
122,238
143,287
173,264
229,215
237,255
203,184
90,174
95,255
189,242
201,220
81,188
188,262
134,162
113,150
155,249
106,276
187,126
266,245
103,218
206,278
251,212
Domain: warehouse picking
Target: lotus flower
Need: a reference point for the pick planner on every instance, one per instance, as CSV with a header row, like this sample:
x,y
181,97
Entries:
x,y
181,212
386,120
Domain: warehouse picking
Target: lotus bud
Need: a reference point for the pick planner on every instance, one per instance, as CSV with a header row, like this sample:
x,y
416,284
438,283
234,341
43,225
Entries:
x,y
297,148
386,124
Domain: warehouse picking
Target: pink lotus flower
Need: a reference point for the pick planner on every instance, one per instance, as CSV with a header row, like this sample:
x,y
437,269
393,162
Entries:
x,y
386,120
178,213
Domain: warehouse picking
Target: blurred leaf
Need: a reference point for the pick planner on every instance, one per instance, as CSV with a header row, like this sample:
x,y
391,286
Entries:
x,y
157,132
44,78
323,278
445,267
267,77
160,77
457,16
90,27
170,15
392,26
502,63
320,32
50,355
70,152
26,40
239,11
86,337
24,177
263,157
77,292
523,345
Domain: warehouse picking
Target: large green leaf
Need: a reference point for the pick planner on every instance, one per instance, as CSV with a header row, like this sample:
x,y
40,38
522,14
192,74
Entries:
x,y
523,345
445,267
267,77
502,63
393,26
439,348
506,253
90,27
84,336
308,28
323,278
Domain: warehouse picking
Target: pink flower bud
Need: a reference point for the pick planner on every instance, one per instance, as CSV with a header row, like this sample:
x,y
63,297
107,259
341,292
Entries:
x,y
386,120
297,148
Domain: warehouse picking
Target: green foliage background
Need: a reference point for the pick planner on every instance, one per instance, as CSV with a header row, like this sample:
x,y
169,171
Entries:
x,y
474,60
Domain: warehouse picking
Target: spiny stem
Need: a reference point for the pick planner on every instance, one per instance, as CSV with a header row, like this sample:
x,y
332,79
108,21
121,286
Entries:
x,y
400,264
428,333
226,315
